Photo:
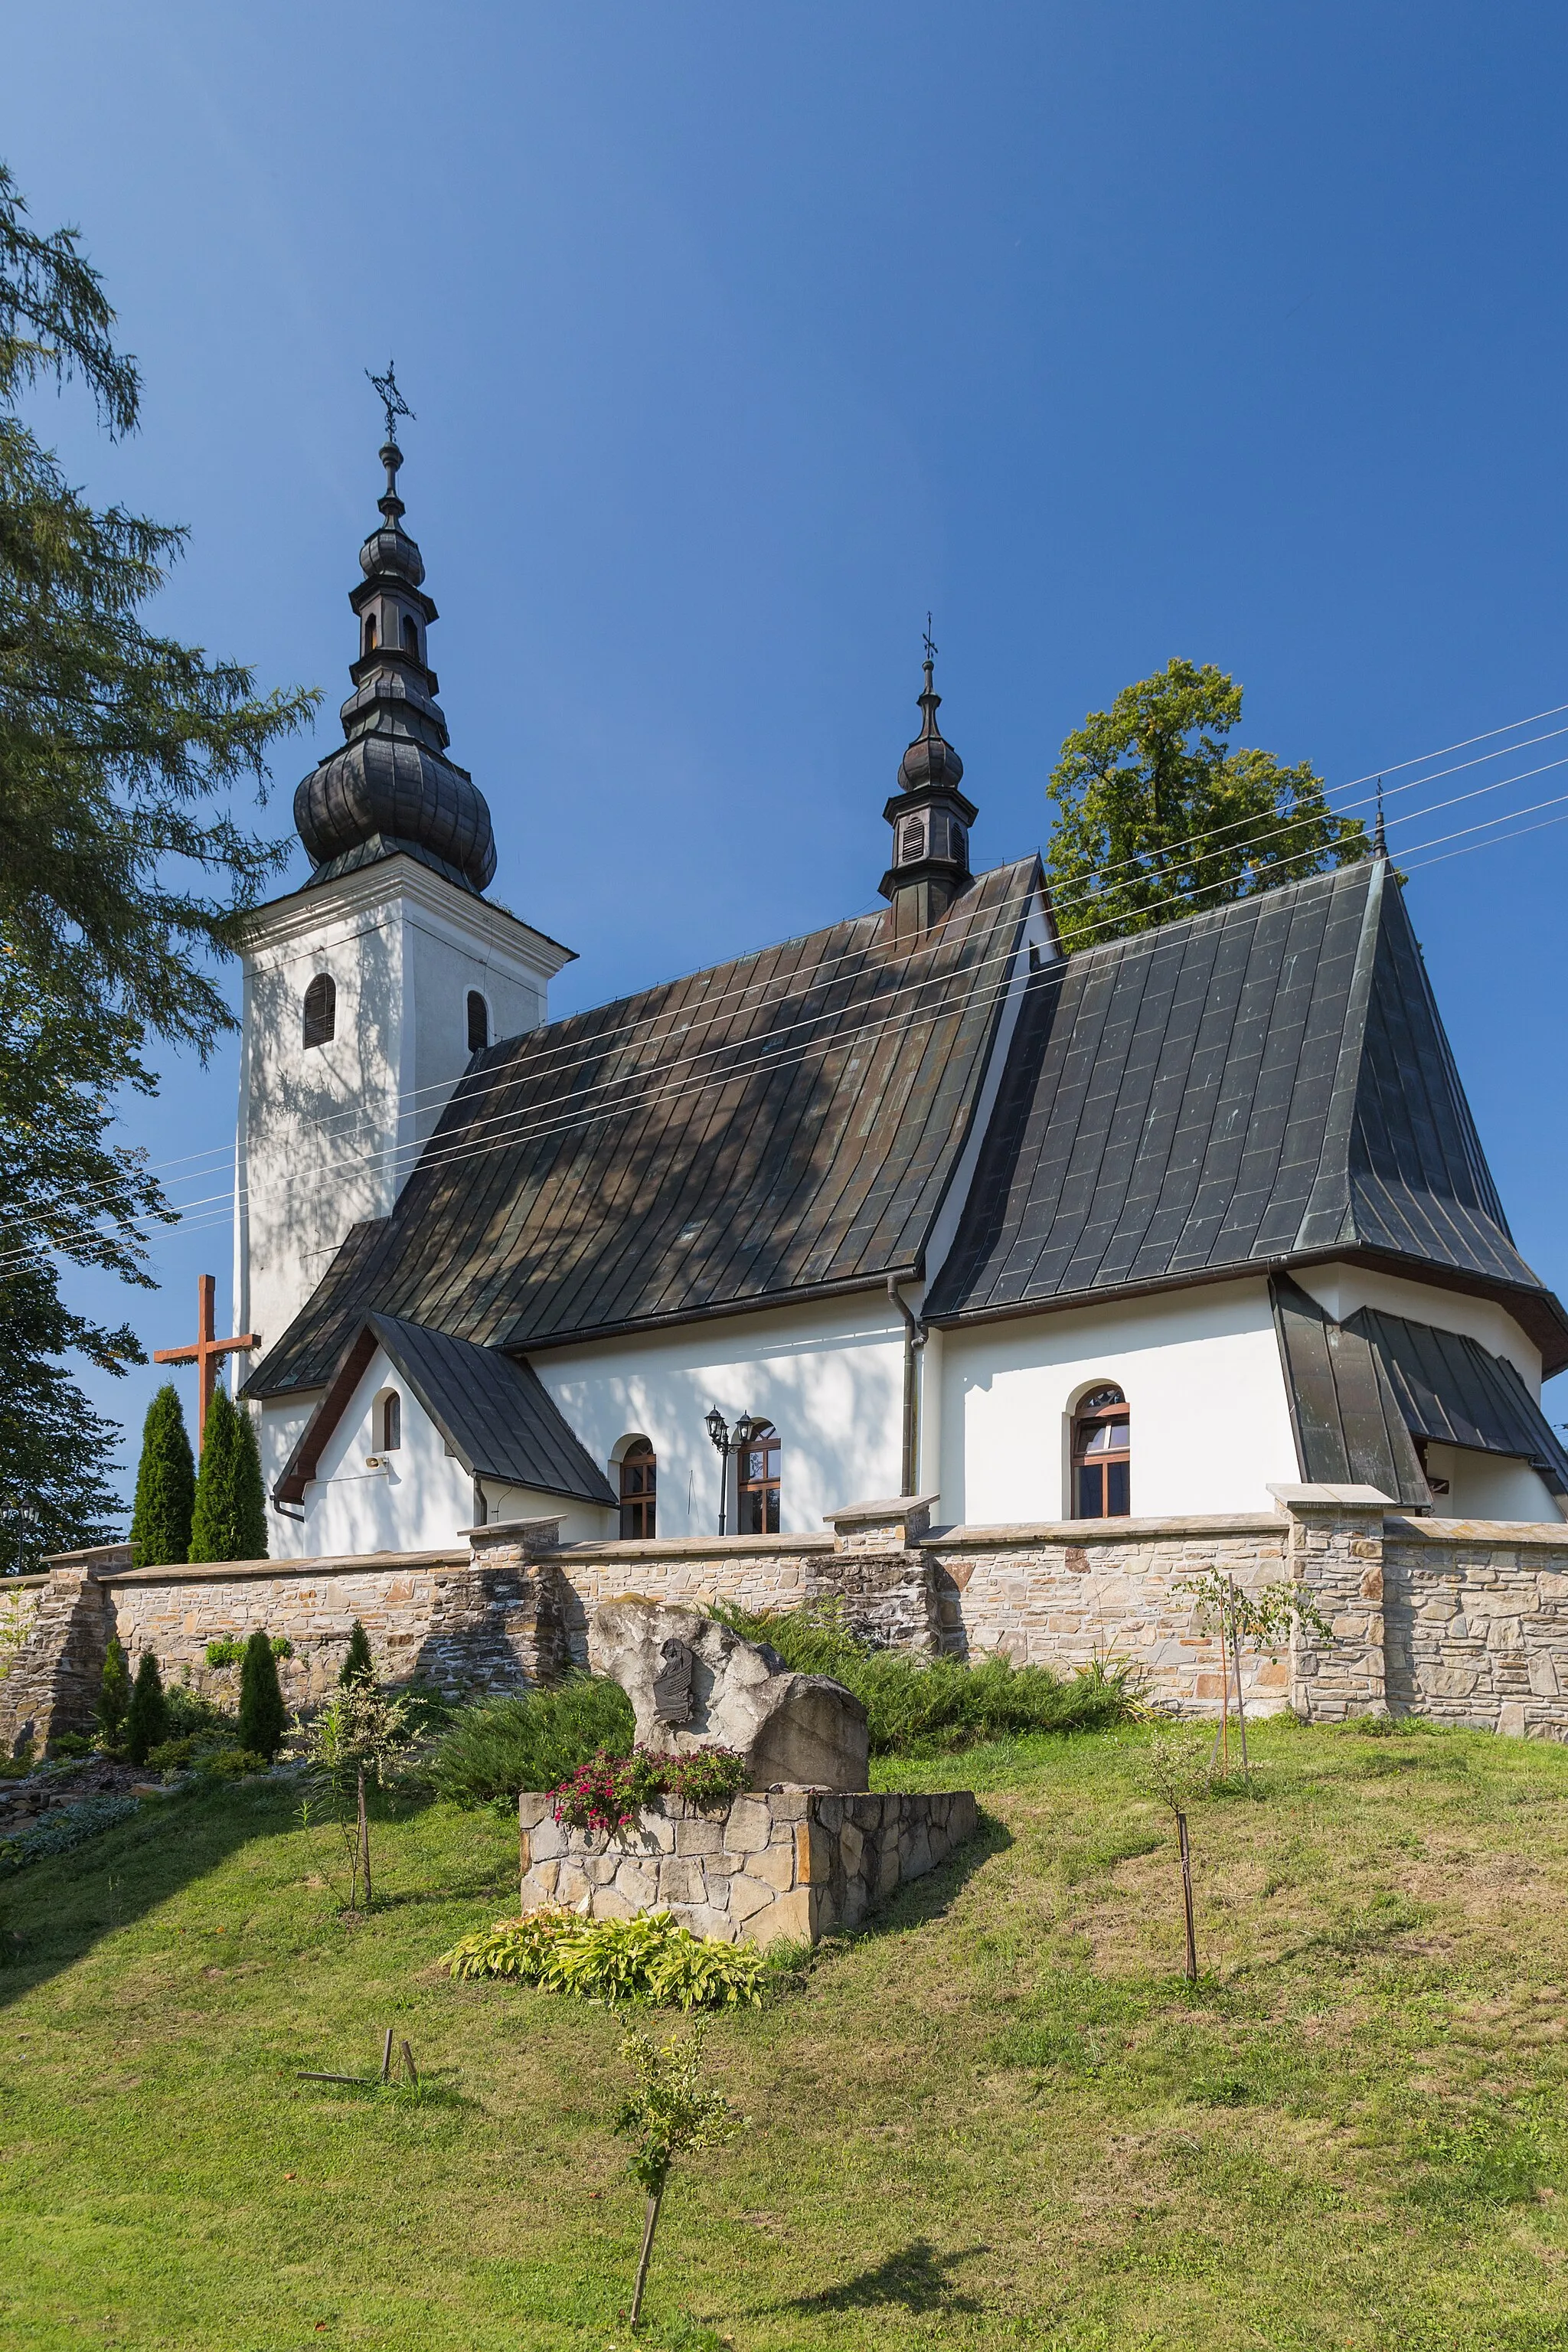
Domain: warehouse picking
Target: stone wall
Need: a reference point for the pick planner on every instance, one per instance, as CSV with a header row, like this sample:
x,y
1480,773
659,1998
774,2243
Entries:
x,y
1464,1620
1475,1618
794,1864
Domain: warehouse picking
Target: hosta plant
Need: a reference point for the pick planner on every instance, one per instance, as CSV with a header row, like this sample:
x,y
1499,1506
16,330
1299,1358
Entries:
x,y
650,1957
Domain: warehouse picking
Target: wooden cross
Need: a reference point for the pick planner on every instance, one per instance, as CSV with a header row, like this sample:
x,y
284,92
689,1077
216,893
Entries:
x,y
205,1351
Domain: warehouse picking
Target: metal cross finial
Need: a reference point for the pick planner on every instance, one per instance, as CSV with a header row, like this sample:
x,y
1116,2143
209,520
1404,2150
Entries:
x,y
390,399
1380,839
930,645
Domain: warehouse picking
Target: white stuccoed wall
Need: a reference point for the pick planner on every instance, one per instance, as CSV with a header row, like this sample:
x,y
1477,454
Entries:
x,y
829,1376
1201,1372
1340,1290
419,1499
328,1135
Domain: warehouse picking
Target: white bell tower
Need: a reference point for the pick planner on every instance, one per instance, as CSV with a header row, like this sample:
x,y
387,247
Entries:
x,y
368,991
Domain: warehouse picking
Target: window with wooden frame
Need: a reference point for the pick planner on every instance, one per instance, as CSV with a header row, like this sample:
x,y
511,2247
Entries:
x,y
390,1421
757,1503
321,1010
1102,1457
639,1488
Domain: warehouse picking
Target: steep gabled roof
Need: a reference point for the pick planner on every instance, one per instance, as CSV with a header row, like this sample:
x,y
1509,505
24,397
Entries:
x,y
493,1412
1266,1083
783,1125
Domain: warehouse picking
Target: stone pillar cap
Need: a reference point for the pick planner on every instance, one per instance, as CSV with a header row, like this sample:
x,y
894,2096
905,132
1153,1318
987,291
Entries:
x,y
896,1506
1360,1499
542,1531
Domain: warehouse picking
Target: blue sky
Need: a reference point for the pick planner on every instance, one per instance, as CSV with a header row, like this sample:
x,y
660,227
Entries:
x,y
740,337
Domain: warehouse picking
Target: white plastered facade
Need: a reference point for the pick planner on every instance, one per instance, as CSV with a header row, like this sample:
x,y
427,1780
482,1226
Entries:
x,y
327,1134
1208,1407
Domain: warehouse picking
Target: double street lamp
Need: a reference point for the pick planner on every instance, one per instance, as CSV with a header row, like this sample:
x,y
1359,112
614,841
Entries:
x,y
730,1440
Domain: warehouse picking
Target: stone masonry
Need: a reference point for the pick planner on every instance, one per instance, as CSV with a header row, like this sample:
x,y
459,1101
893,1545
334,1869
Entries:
x,y
791,1863
1464,1620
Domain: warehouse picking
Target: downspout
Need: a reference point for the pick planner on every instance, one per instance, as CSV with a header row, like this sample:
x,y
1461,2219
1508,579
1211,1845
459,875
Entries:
x,y
481,1509
914,1341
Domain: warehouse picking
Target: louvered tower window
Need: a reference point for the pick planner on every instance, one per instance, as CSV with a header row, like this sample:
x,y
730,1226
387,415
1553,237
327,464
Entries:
x,y
321,1010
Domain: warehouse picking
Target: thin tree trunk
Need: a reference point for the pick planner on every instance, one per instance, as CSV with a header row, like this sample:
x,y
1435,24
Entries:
x,y
1240,1705
364,1840
1187,1898
655,2199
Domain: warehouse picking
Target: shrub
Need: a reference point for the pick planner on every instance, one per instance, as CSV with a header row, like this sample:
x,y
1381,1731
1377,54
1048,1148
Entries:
x,y
493,1751
191,1716
70,1746
147,1720
917,1705
171,1756
358,1665
648,1959
261,1714
228,1520
708,1777
62,1832
230,1763
228,1652
114,1692
165,1486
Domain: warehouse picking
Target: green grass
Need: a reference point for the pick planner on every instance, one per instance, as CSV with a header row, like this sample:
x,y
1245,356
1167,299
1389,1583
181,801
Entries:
x,y
999,2118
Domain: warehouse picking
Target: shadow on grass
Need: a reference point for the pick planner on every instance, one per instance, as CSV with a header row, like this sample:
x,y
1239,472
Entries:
x,y
920,1899
915,2278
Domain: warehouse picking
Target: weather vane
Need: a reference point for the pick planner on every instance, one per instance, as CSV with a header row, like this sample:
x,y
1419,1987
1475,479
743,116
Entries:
x,y
930,644
390,399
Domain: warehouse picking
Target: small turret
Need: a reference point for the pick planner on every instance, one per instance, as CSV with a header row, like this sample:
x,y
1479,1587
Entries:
x,y
931,819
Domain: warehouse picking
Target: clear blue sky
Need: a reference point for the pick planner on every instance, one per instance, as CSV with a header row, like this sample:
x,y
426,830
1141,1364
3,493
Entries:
x,y
739,336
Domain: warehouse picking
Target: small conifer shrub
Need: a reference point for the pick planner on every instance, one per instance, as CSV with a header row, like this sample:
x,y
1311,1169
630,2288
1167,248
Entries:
x,y
261,1714
358,1665
114,1692
147,1718
165,1486
230,1519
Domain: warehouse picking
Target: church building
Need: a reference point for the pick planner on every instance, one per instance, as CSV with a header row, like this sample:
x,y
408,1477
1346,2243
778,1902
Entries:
x,y
916,1205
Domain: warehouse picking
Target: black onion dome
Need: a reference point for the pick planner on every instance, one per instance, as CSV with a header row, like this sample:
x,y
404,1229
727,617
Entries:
x,y
391,790
930,758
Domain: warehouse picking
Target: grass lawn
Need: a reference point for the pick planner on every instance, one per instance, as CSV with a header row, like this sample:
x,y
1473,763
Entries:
x,y
1001,2117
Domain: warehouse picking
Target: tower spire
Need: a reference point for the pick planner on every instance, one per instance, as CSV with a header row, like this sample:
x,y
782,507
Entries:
x,y
1380,839
391,790
931,819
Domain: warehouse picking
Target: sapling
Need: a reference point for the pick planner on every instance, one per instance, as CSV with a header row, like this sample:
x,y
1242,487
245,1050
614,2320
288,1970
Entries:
x,y
1178,1775
358,1665
669,2112
360,1736
1265,1617
113,1692
261,1714
147,1721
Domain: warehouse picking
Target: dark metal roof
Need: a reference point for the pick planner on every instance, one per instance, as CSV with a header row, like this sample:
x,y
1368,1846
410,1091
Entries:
x,y
784,1125
1348,1425
1454,1391
493,1411
1264,1083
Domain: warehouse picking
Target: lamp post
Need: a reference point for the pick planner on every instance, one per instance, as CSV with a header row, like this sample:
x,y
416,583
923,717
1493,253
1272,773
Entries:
x,y
729,1440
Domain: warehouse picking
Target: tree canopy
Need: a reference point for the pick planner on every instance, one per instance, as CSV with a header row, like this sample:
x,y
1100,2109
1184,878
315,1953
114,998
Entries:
x,y
122,871
1159,816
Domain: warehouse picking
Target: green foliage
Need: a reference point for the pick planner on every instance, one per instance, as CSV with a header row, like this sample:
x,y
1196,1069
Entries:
x,y
358,1665
17,1612
918,1706
227,1650
1159,816
229,1519
1177,1768
669,2112
231,1763
165,1484
113,1691
147,1718
494,1750
649,1959
171,1755
191,1716
110,741
63,1831
262,1717
1264,1617
362,1735
708,1777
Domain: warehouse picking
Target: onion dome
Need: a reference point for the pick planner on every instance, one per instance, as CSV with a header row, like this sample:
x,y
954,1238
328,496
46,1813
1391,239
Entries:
x,y
391,790
930,820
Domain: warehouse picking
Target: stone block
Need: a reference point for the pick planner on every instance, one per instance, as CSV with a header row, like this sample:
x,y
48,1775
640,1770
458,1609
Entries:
x,y
680,1882
749,1895
547,1838
749,1827
851,1846
698,1837
774,1866
639,1882
1510,1721
792,1919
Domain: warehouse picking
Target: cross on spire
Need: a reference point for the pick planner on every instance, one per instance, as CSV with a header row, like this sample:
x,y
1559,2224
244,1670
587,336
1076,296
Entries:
x,y
392,399
930,644
206,1350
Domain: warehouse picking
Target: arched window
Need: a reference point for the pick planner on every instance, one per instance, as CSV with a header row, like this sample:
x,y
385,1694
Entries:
x,y
639,1483
478,1022
757,1512
321,1010
1102,1457
370,633
411,636
390,1421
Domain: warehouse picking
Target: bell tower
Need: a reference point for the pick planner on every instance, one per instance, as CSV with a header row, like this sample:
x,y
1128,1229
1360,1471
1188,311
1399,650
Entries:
x,y
930,820
368,991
